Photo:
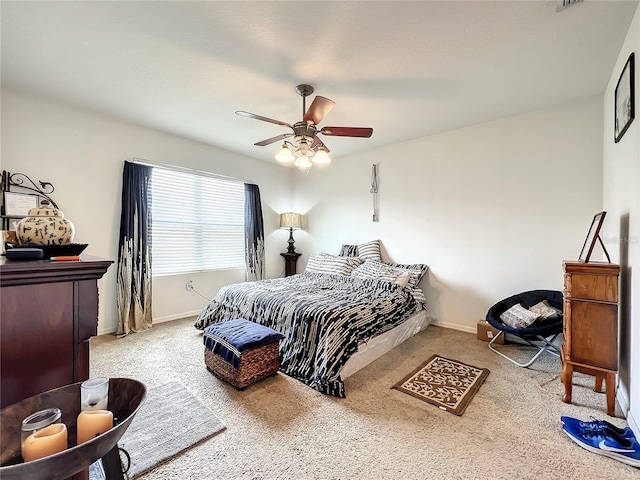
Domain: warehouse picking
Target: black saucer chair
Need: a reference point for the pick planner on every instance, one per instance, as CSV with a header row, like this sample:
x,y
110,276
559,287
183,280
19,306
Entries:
x,y
539,335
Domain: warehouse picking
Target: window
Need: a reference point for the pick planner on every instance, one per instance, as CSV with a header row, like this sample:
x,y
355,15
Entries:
x,y
197,222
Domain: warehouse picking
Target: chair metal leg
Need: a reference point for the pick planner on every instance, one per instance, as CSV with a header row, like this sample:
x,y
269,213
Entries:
x,y
548,346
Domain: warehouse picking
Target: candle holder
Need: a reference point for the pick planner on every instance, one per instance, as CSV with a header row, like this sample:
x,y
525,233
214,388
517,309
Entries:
x,y
94,394
36,422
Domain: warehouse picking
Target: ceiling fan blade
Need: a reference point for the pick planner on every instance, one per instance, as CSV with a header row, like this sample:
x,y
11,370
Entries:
x,y
347,131
271,140
317,143
318,110
264,119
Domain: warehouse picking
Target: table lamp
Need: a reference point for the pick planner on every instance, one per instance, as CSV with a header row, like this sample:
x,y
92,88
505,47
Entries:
x,y
291,220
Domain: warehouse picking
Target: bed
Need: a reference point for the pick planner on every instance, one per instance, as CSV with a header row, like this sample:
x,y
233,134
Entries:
x,y
338,309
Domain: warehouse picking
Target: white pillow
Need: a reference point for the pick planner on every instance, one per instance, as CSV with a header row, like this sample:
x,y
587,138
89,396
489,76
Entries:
x,y
545,310
380,271
416,271
336,265
518,317
403,279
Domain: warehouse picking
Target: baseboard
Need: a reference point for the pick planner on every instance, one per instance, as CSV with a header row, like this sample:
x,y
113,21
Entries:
x,y
635,426
454,326
166,318
622,397
177,316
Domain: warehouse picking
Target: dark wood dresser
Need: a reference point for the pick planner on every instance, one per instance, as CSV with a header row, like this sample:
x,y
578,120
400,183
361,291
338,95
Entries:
x,y
591,326
48,313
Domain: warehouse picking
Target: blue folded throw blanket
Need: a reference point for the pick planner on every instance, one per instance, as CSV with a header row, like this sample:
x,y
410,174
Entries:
x,y
231,338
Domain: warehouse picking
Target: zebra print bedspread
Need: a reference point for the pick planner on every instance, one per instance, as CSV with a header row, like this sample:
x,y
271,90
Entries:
x,y
323,318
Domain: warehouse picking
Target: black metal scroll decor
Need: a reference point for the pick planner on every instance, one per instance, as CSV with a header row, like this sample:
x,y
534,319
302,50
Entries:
x,y
22,180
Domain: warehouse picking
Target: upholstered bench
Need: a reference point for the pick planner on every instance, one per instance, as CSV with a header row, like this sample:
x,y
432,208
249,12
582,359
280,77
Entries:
x,y
241,352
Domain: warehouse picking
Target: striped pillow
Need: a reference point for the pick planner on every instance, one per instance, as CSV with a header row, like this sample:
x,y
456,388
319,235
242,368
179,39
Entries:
x,y
419,296
384,272
349,251
369,250
336,265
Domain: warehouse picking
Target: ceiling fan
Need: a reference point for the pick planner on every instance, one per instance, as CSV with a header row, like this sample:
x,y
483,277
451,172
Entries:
x,y
308,147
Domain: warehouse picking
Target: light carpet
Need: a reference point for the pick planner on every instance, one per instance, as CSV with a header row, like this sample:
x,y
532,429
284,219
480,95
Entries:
x,y
170,421
280,429
448,384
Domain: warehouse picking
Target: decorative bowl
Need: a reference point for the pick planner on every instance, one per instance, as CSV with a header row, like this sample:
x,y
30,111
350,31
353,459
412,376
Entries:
x,y
125,398
49,251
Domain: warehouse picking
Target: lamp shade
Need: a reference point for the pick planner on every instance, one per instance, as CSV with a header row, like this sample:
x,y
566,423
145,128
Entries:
x,y
303,163
285,155
290,220
321,157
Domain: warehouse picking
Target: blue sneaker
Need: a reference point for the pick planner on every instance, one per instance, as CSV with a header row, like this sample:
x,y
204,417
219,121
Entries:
x,y
577,425
607,442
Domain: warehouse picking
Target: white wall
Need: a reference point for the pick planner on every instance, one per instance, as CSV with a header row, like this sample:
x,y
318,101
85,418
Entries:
x,y
622,226
493,209
82,154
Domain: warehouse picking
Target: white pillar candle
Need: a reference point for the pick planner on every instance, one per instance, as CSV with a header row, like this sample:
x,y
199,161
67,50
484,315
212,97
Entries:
x,y
92,423
45,442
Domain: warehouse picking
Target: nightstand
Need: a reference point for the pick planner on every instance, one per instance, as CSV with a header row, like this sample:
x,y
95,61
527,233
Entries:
x,y
290,260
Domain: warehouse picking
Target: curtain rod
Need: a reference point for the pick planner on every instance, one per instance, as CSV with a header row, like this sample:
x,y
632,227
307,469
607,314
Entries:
x,y
178,168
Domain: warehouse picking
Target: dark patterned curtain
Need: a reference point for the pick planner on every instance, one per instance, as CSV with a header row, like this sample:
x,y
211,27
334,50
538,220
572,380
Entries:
x,y
253,233
134,253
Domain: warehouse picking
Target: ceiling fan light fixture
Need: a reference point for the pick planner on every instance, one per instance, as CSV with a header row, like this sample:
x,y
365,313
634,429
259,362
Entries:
x,y
285,155
303,150
306,147
303,163
321,157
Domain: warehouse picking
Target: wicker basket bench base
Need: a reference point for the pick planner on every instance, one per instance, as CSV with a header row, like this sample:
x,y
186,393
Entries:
x,y
254,365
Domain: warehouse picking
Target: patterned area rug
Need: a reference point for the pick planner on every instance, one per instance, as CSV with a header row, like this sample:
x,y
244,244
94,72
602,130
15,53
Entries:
x,y
446,383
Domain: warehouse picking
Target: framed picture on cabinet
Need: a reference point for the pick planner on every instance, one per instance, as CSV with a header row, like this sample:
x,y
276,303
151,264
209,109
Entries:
x,y
19,204
624,104
593,235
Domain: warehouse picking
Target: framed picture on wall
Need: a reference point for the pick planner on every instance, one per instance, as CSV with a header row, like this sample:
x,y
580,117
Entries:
x,y
624,104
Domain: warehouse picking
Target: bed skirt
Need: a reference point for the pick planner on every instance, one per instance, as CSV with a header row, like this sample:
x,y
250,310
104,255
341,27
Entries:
x,y
385,342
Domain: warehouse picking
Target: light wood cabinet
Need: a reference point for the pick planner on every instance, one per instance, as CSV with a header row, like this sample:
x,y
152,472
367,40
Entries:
x,y
591,326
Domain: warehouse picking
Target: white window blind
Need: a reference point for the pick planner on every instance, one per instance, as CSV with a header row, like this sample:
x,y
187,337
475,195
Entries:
x,y
197,223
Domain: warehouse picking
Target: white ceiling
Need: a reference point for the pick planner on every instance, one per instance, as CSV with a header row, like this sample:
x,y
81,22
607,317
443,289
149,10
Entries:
x,y
406,69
